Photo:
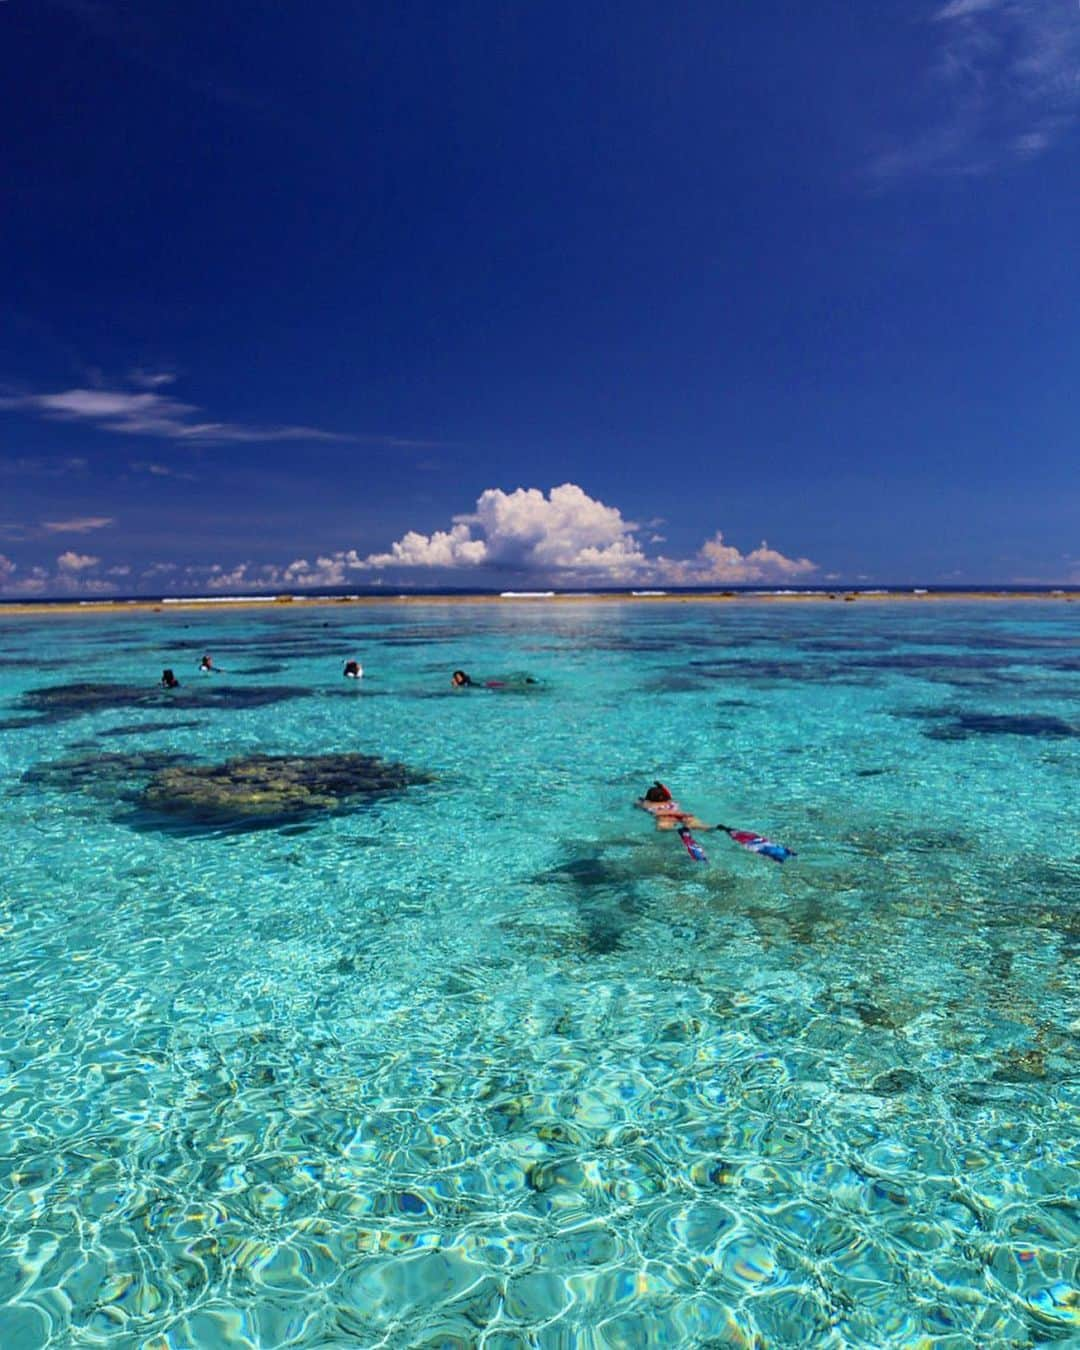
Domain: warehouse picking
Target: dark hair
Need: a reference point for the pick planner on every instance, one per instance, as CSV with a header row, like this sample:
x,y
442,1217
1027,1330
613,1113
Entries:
x,y
463,680
658,793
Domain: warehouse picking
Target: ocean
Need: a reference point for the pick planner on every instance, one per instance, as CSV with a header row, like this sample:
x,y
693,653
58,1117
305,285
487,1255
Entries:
x,y
406,1028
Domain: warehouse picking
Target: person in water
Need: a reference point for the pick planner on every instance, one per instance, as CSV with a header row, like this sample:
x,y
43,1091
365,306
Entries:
x,y
169,680
206,665
666,811
460,680
353,670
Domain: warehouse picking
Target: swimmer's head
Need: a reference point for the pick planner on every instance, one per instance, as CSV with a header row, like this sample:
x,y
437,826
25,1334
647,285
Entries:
x,y
459,679
658,793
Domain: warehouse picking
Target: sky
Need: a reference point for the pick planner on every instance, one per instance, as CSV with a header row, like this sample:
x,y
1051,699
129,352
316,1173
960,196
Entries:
x,y
512,294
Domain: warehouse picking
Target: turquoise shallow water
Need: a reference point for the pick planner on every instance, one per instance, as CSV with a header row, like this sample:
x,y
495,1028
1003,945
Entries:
x,y
489,1061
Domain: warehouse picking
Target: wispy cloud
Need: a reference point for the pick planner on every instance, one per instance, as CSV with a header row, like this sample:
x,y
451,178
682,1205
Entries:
x,y
37,466
160,470
78,525
149,413
140,409
150,379
1004,86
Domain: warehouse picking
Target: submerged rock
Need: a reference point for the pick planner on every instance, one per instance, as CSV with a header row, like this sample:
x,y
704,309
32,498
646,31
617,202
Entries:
x,y
893,1082
267,789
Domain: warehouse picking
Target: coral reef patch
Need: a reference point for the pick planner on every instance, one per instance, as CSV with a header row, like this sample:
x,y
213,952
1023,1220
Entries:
x,y
270,789
98,773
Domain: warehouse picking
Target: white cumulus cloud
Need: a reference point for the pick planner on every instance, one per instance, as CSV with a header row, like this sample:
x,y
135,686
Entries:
x,y
68,580
76,562
566,531
444,548
559,534
34,582
327,570
720,562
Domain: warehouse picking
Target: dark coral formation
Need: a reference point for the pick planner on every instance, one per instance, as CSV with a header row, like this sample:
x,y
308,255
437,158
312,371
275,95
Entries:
x,y
99,773
58,702
955,724
161,790
962,725
270,789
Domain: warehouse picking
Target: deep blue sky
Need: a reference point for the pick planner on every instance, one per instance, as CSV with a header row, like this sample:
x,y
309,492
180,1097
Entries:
x,y
785,271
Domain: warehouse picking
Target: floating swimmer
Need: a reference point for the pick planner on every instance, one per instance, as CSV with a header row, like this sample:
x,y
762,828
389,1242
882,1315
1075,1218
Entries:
x,y
353,670
169,680
669,815
518,683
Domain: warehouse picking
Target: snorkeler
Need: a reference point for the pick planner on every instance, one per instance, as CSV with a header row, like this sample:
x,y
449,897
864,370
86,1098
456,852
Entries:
x,y
353,670
511,683
206,665
169,680
666,811
669,815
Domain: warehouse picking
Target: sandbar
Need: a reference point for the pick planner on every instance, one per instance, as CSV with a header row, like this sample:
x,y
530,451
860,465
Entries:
x,y
915,595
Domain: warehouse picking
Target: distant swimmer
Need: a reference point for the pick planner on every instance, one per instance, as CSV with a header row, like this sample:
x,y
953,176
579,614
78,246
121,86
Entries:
x,y
353,670
169,680
509,683
206,665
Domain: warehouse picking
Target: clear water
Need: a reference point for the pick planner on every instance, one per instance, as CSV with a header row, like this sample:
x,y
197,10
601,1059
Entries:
x,y
492,1062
